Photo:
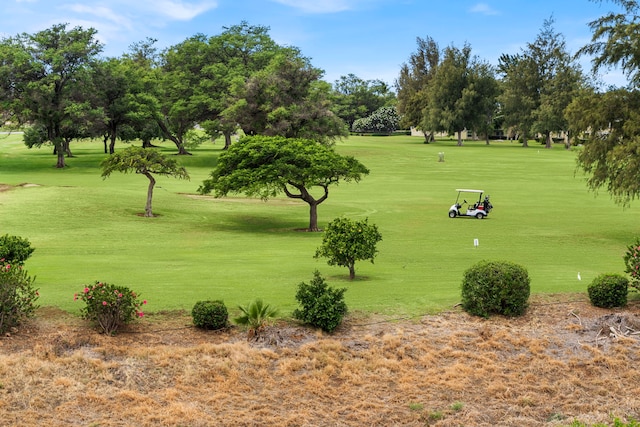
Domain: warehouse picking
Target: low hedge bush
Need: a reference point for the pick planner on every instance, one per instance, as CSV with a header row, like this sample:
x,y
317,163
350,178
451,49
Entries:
x,y
609,290
211,315
495,287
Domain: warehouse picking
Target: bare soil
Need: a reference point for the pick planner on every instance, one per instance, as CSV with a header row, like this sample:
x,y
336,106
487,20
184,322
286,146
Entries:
x,y
564,360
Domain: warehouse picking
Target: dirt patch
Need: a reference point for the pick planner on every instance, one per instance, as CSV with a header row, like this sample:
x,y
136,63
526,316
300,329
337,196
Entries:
x,y
6,187
564,360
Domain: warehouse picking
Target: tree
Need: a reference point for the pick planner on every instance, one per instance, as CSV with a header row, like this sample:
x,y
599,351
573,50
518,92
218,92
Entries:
x,y
266,166
538,84
452,100
144,161
353,98
615,40
346,241
610,125
47,71
287,99
383,120
609,122
413,82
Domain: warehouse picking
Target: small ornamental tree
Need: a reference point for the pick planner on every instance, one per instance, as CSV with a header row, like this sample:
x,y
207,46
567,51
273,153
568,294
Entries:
x,y
383,120
346,241
147,162
266,166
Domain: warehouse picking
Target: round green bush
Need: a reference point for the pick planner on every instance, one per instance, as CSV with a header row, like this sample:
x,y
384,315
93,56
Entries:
x,y
609,290
210,315
495,287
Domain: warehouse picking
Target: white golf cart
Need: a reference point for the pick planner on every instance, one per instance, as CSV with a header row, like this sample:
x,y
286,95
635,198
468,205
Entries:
x,y
480,209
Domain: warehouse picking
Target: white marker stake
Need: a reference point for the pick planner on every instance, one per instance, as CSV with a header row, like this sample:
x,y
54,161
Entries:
x,y
475,243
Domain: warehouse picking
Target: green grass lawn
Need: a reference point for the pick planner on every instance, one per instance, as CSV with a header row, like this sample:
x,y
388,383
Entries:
x,y
236,249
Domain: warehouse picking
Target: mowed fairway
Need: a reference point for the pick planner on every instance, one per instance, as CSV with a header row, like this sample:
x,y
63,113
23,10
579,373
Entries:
x,y
236,249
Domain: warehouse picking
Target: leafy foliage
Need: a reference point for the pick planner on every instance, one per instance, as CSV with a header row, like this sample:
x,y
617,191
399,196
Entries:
x,y
144,161
608,290
632,263
322,306
109,306
255,317
614,40
210,315
354,98
266,166
14,250
17,295
346,241
610,125
383,120
495,287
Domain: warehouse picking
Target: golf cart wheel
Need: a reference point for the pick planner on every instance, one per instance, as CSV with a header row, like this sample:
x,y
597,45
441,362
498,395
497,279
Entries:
x,y
479,215
452,214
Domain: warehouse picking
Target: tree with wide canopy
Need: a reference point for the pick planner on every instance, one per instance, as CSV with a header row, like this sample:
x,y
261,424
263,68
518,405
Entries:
x,y
267,166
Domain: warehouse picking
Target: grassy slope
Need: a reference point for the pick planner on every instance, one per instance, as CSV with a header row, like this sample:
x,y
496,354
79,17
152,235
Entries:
x,y
236,249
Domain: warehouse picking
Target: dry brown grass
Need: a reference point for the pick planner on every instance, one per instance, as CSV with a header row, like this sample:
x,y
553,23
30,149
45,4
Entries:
x,y
557,363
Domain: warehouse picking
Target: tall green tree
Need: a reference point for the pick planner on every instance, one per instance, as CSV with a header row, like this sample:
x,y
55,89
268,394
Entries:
x,y
609,122
287,99
413,82
143,161
538,84
353,98
45,73
614,40
266,166
452,96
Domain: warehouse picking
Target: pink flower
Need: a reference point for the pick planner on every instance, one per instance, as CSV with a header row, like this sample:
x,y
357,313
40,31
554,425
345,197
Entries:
x,y
75,297
119,295
104,303
86,290
144,302
140,314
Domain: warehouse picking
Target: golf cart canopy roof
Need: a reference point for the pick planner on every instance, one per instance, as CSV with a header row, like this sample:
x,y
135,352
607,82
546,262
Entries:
x,y
469,191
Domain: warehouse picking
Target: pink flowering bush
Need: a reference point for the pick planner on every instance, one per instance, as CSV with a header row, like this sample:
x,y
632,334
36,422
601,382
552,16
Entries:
x,y
17,295
110,306
632,263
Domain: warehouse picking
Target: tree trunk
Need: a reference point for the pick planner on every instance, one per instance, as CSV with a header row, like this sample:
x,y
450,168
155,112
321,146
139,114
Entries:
x,y
525,143
104,142
313,216
152,182
352,271
227,140
548,140
112,144
59,151
459,138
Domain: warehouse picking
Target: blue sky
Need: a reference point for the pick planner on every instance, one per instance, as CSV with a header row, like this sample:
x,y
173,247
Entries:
x,y
369,38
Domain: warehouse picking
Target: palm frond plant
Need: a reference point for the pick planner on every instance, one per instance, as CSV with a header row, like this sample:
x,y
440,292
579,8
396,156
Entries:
x,y
255,317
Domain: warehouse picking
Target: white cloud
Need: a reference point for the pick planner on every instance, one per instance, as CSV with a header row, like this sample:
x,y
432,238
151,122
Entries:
x,y
484,9
320,6
101,12
180,10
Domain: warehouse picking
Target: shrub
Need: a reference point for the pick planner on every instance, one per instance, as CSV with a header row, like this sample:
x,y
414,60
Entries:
x,y
632,263
17,296
210,315
255,316
608,290
110,306
345,241
322,306
495,287
15,250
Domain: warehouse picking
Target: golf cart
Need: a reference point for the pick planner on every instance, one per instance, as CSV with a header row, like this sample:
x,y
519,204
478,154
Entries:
x,y
479,210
